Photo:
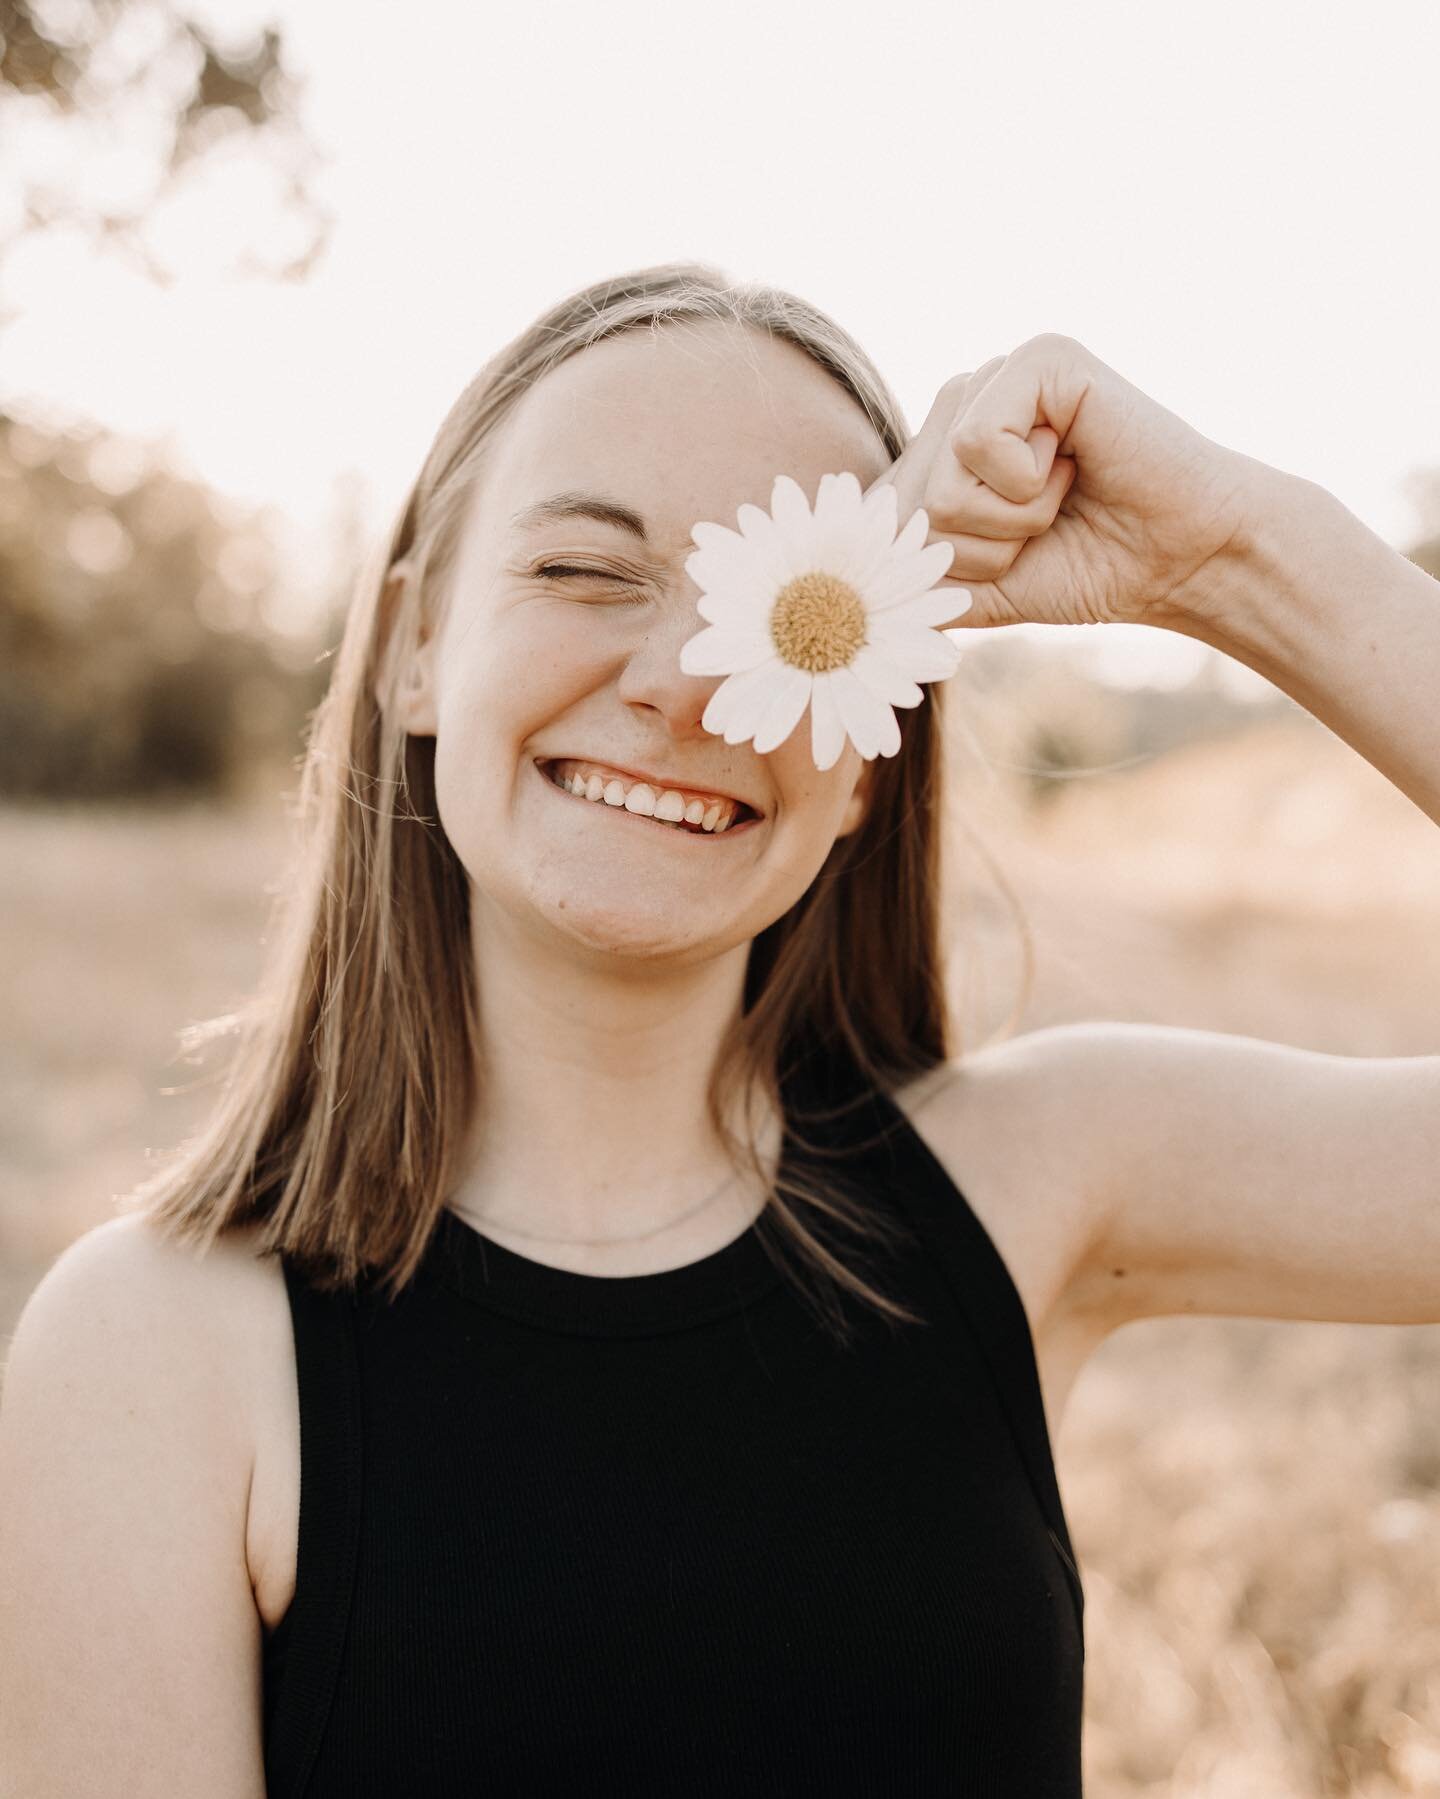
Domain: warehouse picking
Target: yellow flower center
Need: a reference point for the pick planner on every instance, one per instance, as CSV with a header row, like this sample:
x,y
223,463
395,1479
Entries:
x,y
817,623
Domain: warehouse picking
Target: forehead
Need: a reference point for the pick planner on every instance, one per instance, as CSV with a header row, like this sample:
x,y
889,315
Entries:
x,y
683,423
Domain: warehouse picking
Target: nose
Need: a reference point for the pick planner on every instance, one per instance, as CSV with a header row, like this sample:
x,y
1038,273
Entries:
x,y
652,677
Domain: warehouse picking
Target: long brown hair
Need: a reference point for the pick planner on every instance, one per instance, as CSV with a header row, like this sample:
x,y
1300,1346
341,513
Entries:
x,y
346,1104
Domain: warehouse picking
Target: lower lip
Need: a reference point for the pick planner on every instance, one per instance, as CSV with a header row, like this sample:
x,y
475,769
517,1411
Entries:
x,y
639,818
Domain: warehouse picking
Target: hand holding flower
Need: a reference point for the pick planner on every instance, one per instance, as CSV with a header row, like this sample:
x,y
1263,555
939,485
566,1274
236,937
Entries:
x,y
1071,497
1150,522
1054,489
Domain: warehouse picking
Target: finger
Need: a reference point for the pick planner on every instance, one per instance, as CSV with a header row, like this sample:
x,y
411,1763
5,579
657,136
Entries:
x,y
958,504
910,470
995,435
981,375
988,609
981,558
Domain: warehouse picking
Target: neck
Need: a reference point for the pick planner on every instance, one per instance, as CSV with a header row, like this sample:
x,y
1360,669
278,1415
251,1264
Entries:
x,y
592,1121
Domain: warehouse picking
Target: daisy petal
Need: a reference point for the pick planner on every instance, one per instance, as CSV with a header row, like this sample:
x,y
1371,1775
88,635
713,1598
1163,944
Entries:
x,y
924,655
735,564
884,500
724,650
935,560
886,678
715,539
788,506
731,604
792,546
770,567
837,511
827,730
782,712
934,608
756,524
738,704
889,731
720,705
838,498
861,711
872,536
901,578
917,529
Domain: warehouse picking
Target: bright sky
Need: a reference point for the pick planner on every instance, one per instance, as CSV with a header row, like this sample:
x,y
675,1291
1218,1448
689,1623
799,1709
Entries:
x,y
1234,205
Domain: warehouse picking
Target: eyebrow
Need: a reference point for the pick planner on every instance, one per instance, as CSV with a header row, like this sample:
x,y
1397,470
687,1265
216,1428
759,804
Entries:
x,y
580,505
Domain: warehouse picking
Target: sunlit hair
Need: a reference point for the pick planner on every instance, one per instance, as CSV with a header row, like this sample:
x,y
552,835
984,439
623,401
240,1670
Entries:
x,y
346,1106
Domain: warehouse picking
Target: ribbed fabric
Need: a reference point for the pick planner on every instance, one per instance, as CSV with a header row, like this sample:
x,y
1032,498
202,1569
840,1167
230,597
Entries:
x,y
566,1534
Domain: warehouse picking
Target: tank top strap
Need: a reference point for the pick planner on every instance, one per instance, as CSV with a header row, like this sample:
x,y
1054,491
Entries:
x,y
973,1269
328,1381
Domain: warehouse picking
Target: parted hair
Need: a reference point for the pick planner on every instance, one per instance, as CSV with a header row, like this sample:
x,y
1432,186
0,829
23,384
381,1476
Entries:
x,y
345,1105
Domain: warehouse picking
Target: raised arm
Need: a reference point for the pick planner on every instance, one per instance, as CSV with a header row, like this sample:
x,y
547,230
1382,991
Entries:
x,y
1312,599
129,1638
1226,1174
1071,497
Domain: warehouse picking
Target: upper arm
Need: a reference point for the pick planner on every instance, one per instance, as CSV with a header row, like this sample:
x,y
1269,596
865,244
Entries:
x,y
1233,1175
129,1638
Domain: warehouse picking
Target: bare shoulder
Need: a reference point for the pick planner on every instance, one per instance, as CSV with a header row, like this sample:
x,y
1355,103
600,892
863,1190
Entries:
x,y
206,1330
1013,1123
130,1632
1016,1126
128,1283
204,1333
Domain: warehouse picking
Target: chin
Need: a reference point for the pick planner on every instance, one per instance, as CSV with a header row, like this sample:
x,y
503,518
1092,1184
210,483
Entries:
x,y
653,931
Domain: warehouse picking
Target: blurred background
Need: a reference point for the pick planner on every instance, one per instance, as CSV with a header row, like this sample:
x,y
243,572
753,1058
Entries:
x,y
249,255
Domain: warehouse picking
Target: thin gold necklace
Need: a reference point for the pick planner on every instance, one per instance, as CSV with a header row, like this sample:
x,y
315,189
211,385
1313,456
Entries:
x,y
601,1242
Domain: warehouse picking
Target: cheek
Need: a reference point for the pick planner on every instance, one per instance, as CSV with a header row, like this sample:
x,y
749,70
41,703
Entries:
x,y
503,686
507,683
817,797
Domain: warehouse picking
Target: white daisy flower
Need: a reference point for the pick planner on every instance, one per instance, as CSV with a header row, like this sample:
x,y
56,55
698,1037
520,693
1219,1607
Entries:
x,y
832,609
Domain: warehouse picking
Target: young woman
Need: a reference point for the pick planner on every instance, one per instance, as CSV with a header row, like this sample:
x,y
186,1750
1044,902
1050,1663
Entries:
x,y
608,1339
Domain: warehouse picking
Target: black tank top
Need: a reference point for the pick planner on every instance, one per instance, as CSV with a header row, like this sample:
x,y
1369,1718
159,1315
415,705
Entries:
x,y
660,1534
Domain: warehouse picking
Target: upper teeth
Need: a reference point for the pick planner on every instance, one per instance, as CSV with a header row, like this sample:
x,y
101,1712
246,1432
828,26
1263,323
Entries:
x,y
593,782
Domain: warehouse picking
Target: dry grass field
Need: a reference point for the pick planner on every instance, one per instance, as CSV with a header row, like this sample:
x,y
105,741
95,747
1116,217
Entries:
x,y
1256,1504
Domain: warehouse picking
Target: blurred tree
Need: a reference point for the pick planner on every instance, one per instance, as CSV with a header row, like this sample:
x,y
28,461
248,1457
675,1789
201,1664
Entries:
x,y
143,639
146,641
112,110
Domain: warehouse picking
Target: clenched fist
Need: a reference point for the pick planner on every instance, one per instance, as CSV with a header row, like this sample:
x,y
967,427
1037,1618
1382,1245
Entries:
x,y
1070,496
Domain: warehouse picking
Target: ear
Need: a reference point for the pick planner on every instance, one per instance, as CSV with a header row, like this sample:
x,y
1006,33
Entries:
x,y
858,805
413,695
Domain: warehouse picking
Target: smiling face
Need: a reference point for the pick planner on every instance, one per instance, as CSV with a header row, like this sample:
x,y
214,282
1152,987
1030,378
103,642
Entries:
x,y
559,652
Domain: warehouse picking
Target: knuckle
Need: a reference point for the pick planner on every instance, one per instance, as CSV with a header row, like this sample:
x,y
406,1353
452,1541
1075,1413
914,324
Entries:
x,y
985,559
968,434
1055,341
951,396
958,385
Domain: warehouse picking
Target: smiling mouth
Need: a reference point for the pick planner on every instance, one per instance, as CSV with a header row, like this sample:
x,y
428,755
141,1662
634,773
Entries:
x,y
744,819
